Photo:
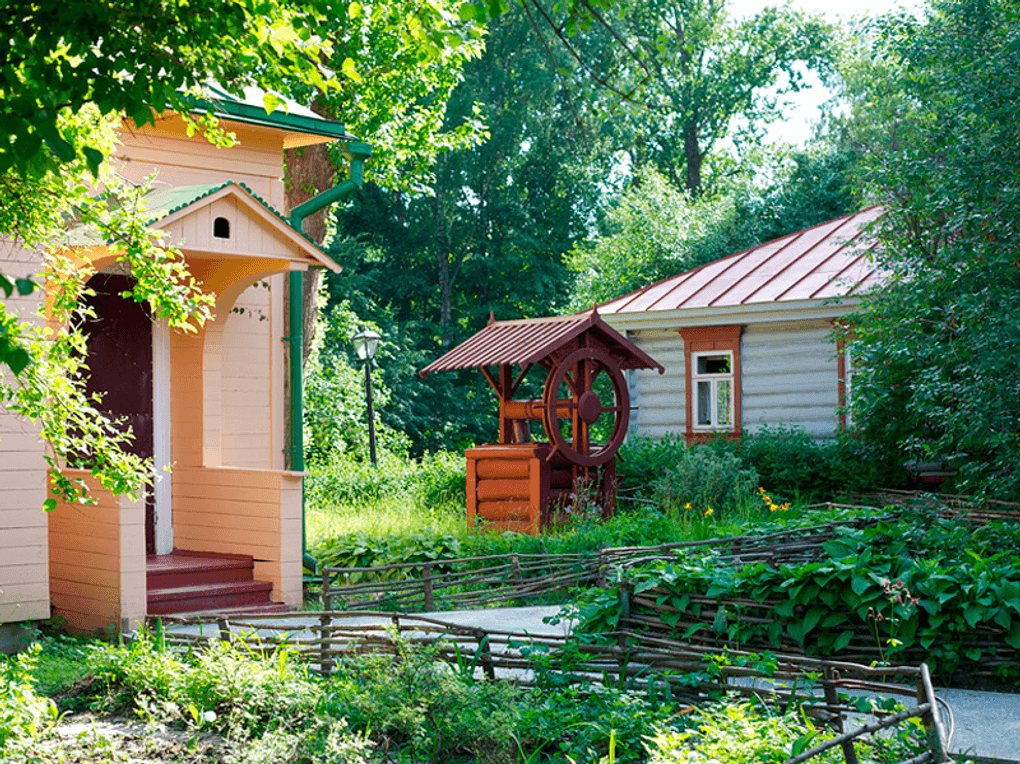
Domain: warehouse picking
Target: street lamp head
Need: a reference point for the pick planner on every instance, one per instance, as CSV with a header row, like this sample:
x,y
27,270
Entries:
x,y
366,342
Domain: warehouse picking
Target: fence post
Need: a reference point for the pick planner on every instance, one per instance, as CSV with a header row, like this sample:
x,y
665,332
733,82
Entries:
x,y
931,721
485,654
224,625
516,562
426,582
623,642
832,700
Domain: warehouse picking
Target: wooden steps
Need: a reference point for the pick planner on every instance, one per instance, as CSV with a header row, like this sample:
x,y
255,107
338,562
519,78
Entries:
x,y
196,582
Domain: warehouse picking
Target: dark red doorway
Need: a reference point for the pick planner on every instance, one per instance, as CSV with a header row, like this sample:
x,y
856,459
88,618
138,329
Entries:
x,y
120,364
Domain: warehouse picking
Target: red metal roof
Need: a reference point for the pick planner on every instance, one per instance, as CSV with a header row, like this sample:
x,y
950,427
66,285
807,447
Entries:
x,y
826,261
530,340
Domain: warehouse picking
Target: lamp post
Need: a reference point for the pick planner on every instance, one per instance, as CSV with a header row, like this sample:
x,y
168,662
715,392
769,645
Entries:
x,y
366,342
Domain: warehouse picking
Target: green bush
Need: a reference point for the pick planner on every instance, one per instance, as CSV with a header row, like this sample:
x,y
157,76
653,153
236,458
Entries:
x,y
25,717
791,462
424,707
736,733
642,460
918,589
706,478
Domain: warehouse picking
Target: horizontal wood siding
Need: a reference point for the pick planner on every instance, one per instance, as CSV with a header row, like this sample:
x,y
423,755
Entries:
x,y
659,398
97,561
180,161
247,437
24,560
789,373
243,511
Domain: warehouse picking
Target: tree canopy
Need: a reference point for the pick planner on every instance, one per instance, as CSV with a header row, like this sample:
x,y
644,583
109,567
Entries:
x,y
935,367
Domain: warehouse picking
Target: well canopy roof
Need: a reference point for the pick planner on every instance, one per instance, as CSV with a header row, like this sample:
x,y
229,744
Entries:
x,y
827,261
529,341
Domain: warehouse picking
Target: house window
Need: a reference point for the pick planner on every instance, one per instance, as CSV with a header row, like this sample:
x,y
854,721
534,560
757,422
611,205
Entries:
x,y
712,378
712,361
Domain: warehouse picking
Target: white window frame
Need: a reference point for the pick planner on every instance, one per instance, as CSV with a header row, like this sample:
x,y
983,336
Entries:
x,y
713,379
848,376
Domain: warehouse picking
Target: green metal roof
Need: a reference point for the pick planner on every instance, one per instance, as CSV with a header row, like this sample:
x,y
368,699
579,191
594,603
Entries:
x,y
251,110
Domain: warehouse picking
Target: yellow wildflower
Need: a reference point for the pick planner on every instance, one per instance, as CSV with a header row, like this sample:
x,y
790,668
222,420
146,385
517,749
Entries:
x,y
709,512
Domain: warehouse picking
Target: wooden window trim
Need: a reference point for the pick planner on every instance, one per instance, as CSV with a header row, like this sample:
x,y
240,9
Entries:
x,y
844,336
706,339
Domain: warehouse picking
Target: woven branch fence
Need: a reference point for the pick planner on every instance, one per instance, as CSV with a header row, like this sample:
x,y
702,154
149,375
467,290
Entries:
x,y
947,505
828,691
468,582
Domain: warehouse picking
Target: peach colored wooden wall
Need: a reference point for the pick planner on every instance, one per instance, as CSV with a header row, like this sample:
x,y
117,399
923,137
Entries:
x,y
247,414
97,560
24,571
256,160
243,511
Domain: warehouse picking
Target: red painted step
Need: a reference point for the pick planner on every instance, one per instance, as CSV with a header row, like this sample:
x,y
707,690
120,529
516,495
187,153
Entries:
x,y
192,582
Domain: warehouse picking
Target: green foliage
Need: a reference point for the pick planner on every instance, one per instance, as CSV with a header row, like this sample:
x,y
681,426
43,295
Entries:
x,y
420,705
692,77
737,733
488,238
652,231
935,112
641,459
223,687
704,479
793,463
916,588
580,723
60,58
25,716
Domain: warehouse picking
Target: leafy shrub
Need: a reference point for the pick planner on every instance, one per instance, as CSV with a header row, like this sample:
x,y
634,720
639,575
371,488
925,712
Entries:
x,y
223,686
345,479
791,462
25,717
441,479
358,550
911,590
706,479
643,459
735,733
421,704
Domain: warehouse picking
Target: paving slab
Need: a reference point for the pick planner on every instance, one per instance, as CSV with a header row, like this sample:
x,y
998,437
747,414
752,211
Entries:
x,y
985,724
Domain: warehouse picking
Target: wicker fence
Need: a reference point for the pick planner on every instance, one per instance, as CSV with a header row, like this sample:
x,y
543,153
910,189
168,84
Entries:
x,y
468,582
830,692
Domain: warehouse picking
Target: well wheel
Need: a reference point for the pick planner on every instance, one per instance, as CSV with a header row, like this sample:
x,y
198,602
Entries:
x,y
580,370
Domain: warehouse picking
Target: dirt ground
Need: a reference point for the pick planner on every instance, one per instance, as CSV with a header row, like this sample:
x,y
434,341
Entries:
x,y
87,738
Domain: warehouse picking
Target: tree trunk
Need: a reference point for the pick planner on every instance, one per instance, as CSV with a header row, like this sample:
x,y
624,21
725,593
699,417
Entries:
x,y
309,173
694,158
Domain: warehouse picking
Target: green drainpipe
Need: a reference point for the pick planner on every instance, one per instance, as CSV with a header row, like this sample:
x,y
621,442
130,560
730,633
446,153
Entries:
x,y
356,152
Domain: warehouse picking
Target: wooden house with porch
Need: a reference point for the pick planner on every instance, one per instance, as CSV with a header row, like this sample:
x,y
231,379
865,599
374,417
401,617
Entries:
x,y
223,528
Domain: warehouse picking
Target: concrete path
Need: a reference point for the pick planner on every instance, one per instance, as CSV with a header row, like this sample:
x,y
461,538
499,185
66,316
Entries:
x,y
986,724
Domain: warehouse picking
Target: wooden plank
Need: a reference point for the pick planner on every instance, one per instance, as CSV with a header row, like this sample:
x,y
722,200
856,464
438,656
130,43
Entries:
x,y
265,524
83,589
23,555
248,479
22,516
27,500
19,537
104,546
502,488
105,578
32,573
196,543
